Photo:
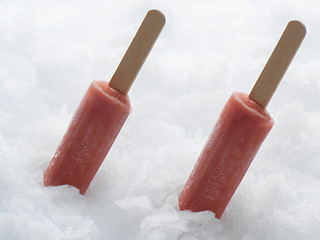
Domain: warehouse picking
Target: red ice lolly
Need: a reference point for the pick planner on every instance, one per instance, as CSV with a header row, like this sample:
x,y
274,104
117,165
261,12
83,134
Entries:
x,y
238,134
101,114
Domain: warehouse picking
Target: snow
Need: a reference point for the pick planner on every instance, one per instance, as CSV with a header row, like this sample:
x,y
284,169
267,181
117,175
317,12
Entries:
x,y
50,51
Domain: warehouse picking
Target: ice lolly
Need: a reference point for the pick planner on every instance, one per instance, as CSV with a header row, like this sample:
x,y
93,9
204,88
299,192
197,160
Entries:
x,y
101,114
238,134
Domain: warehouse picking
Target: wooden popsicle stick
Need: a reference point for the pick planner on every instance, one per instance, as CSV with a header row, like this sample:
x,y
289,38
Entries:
x,y
138,51
278,63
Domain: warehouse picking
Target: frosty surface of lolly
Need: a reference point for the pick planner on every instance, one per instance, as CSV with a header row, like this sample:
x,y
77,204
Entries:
x,y
238,134
91,133
101,114
240,130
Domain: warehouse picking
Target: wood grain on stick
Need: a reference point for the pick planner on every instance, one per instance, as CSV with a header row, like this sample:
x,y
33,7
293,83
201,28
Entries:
x,y
278,63
138,51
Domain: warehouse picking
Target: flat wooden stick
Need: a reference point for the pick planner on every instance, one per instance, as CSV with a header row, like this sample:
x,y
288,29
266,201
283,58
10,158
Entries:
x,y
138,51
278,63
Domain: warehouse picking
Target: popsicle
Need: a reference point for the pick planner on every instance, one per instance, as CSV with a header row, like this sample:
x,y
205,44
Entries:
x,y
238,134
101,114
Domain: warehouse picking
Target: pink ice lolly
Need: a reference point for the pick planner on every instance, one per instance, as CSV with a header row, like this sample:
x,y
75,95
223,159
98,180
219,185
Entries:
x,y
101,114
231,147
237,136
90,135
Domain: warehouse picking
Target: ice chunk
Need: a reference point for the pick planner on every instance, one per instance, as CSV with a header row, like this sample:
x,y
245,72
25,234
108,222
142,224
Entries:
x,y
141,202
43,230
168,223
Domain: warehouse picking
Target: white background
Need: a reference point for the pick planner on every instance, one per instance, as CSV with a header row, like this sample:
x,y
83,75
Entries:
x,y
50,51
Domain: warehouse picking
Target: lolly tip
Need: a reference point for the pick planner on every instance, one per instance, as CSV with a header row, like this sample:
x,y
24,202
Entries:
x,y
158,14
298,25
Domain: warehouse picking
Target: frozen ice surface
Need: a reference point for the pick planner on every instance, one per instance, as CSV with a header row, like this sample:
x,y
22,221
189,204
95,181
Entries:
x,y
50,51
